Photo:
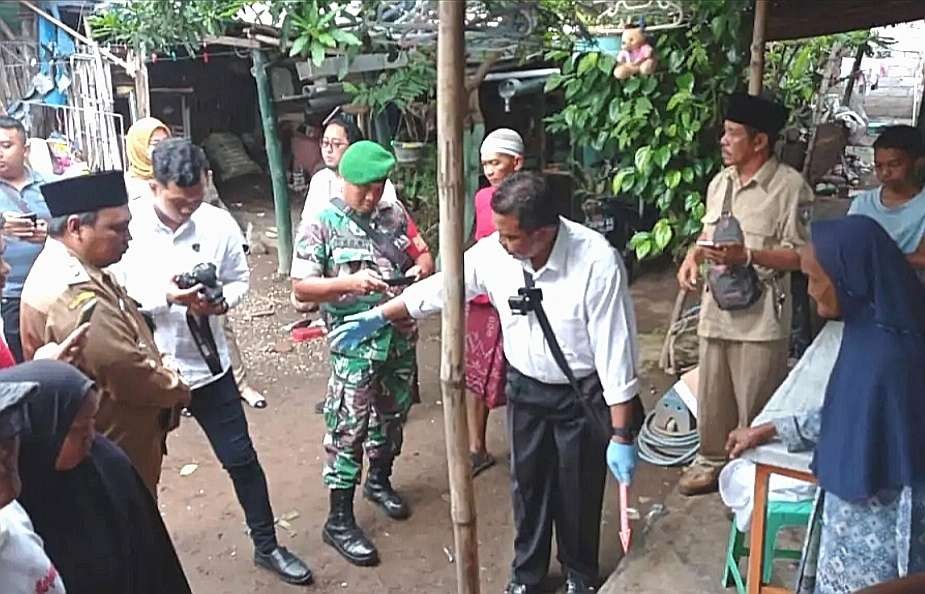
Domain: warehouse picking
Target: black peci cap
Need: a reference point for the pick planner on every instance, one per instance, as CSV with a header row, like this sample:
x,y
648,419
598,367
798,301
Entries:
x,y
759,113
86,193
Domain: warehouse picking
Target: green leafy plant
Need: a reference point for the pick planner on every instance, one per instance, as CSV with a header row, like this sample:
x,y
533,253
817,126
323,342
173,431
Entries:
x,y
794,69
659,133
165,24
411,88
417,188
314,30
308,28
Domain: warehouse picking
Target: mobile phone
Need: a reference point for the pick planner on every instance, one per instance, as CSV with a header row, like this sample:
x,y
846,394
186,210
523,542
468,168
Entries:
x,y
31,216
401,281
86,312
706,243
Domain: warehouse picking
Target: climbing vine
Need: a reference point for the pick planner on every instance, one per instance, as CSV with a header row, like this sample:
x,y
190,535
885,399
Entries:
x,y
658,135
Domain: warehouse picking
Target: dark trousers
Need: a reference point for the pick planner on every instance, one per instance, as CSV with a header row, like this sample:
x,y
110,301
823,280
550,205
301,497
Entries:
x,y
558,469
9,308
217,408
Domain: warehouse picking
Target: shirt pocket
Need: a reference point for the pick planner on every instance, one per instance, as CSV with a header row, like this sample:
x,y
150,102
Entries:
x,y
760,233
347,260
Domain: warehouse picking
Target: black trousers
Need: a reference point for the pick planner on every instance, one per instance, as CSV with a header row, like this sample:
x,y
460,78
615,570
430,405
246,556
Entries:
x,y
9,308
558,469
217,408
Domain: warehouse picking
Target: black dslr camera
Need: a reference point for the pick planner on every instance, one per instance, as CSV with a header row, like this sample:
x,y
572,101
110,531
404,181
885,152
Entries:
x,y
207,276
525,301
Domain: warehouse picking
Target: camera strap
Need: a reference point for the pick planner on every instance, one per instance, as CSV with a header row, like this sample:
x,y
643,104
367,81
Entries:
x,y
205,341
597,423
383,242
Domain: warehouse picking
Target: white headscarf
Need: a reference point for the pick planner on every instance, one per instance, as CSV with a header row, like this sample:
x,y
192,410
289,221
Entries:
x,y
503,141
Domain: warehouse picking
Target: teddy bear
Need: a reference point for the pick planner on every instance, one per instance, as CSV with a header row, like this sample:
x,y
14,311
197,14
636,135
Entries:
x,y
636,56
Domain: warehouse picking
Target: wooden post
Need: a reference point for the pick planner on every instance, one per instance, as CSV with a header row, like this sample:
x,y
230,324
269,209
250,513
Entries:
x,y
451,97
756,66
275,162
142,87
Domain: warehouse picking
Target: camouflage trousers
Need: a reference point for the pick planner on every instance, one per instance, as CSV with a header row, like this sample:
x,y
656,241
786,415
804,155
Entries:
x,y
365,409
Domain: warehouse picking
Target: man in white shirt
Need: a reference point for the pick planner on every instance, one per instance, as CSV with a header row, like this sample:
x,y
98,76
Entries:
x,y
557,451
173,235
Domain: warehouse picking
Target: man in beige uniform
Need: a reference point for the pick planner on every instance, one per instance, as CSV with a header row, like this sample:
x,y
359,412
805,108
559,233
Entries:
x,y
743,354
89,231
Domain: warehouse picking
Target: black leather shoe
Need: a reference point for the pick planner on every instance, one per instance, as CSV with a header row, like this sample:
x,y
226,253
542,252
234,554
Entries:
x,y
341,531
287,566
378,489
576,585
319,407
515,588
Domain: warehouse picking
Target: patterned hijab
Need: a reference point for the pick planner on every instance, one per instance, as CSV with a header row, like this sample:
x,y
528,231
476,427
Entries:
x,y
874,409
136,141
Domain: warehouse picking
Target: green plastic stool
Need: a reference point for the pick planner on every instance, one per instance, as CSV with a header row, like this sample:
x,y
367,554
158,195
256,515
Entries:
x,y
780,514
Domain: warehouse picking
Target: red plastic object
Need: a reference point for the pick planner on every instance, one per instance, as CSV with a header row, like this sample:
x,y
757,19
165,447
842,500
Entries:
x,y
309,333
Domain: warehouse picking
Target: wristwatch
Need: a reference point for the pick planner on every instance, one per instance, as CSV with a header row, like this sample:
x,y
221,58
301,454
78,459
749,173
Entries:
x,y
623,433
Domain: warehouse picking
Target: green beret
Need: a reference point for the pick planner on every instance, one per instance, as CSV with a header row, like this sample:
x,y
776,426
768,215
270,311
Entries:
x,y
365,162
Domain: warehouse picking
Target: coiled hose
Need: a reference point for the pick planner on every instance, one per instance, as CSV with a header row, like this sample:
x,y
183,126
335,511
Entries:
x,y
666,448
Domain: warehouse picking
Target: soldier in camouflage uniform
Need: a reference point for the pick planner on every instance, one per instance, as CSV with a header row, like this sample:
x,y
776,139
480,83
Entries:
x,y
343,259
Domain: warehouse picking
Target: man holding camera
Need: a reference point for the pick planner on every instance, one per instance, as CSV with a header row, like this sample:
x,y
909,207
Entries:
x,y
68,286
348,258
186,266
561,442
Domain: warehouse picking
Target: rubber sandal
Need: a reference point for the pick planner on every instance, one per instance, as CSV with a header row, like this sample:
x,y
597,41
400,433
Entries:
x,y
481,462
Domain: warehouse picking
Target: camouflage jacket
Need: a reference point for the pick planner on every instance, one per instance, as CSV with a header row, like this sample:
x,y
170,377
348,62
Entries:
x,y
332,245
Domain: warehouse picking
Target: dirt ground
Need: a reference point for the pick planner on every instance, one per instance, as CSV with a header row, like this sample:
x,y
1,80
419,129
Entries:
x,y
206,523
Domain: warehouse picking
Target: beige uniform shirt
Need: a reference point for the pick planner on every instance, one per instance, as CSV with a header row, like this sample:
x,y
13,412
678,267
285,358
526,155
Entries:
x,y
773,209
139,393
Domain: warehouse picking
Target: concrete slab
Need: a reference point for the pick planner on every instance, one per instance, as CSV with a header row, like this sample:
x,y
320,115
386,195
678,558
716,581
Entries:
x,y
679,552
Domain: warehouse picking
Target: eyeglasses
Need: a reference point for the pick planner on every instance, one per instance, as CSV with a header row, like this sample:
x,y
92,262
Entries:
x,y
332,144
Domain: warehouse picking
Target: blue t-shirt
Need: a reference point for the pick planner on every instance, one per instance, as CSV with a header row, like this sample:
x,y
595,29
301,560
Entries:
x,y
905,223
20,255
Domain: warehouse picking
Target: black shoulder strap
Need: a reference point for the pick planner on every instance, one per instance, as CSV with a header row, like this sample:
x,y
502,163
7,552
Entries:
x,y
550,337
727,200
383,242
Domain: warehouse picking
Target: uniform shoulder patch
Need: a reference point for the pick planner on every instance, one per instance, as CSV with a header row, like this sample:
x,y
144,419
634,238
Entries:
x,y
81,298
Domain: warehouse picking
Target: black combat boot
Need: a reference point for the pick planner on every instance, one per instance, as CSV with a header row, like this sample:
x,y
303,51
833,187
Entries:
x,y
341,531
378,489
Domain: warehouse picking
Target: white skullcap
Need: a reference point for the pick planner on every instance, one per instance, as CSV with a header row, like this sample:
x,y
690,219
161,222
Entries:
x,y
503,141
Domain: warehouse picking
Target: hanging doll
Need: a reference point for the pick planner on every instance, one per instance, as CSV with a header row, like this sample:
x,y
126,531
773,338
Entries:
x,y
637,56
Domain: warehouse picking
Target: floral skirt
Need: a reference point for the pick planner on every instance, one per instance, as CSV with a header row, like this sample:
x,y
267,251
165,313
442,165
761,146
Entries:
x,y
485,364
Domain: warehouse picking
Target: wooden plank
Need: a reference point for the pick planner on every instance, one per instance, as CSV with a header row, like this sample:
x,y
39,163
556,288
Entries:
x,y
759,524
795,19
231,41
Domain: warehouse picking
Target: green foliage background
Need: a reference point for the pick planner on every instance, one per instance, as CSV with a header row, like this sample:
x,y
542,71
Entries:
x,y
658,134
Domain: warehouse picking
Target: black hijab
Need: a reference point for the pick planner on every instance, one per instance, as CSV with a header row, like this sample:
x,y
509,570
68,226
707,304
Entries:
x,y
101,527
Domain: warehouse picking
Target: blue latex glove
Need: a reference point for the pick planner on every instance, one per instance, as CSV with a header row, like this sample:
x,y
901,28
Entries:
x,y
621,459
357,328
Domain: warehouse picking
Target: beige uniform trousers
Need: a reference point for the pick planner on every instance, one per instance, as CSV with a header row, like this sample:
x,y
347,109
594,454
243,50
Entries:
x,y
736,380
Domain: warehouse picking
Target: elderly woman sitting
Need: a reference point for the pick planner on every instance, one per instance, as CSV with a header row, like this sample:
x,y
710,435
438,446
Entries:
x,y
869,450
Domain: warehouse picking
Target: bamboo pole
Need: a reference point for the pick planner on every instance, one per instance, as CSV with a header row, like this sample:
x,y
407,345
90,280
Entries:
x,y
275,163
756,65
451,97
